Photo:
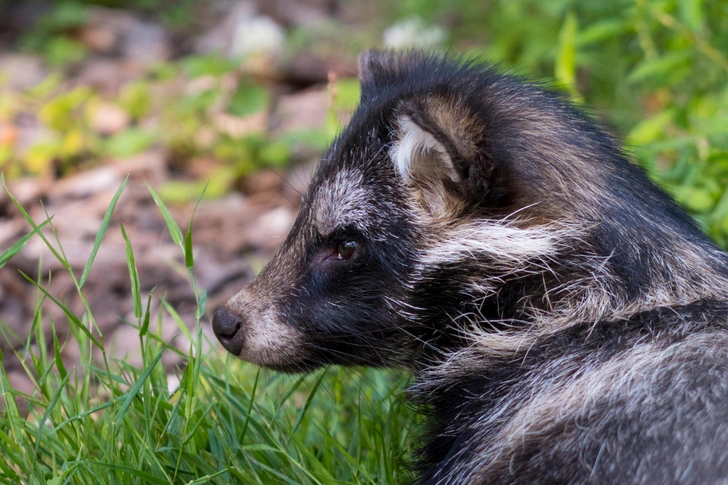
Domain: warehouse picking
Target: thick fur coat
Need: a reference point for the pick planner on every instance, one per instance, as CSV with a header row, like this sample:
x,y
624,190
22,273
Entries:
x,y
564,319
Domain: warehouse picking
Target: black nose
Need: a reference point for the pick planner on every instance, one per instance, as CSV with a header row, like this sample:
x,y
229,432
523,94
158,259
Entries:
x,y
228,330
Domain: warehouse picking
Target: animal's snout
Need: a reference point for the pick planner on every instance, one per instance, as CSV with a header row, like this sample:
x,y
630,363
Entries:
x,y
228,330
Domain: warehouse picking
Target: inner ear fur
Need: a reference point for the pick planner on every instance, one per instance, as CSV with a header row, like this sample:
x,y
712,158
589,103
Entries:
x,y
436,152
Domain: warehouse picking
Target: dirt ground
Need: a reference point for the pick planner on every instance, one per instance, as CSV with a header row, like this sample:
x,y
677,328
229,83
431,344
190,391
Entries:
x,y
233,235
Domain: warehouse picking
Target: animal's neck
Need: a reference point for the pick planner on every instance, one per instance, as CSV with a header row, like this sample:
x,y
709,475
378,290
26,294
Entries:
x,y
510,308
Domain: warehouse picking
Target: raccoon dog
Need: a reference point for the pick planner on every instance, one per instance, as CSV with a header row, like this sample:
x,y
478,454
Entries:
x,y
565,321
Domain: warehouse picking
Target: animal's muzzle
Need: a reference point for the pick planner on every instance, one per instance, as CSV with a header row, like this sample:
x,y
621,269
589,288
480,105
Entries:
x,y
228,329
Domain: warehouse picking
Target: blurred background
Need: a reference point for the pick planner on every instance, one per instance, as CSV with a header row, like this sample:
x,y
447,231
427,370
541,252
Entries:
x,y
242,97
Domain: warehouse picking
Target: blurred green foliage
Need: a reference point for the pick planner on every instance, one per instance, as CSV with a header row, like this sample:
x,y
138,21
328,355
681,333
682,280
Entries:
x,y
49,34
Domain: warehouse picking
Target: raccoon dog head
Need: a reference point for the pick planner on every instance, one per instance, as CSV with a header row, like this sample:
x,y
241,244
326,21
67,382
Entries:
x,y
457,197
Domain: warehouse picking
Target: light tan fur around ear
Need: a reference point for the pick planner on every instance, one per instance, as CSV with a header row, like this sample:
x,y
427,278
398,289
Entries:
x,y
432,134
424,164
418,155
456,122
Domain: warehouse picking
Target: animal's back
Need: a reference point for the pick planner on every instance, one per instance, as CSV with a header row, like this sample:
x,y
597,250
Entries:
x,y
643,400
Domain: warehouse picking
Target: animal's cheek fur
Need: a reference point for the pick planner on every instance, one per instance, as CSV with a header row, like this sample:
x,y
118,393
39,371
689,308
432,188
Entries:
x,y
350,316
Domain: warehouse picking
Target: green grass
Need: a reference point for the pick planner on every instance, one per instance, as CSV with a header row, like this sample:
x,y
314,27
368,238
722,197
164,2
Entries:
x,y
227,422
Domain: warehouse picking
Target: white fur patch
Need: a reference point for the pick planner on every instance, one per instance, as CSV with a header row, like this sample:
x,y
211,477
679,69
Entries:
x,y
417,152
508,244
341,202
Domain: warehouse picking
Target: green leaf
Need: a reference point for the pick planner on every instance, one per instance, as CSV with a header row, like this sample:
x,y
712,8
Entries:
x,y
316,139
129,142
565,69
660,67
650,129
135,472
136,99
181,191
64,16
100,234
348,92
46,415
307,404
248,99
691,13
189,256
64,262
19,245
178,320
172,227
201,303
71,317
62,50
695,199
600,32
61,113
208,65
133,276
137,386
57,356
275,154
86,413
147,315
261,447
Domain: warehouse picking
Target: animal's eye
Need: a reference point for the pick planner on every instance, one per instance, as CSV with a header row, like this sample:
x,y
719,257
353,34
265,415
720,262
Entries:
x,y
345,249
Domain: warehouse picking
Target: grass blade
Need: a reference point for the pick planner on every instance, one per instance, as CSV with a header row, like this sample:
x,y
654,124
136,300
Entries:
x,y
46,415
174,230
189,258
177,319
133,276
71,317
137,386
36,229
146,477
307,404
57,355
201,305
18,246
147,314
100,234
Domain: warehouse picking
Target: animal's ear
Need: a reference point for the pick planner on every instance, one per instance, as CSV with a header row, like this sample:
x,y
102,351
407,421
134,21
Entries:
x,y
381,68
438,150
441,147
372,64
